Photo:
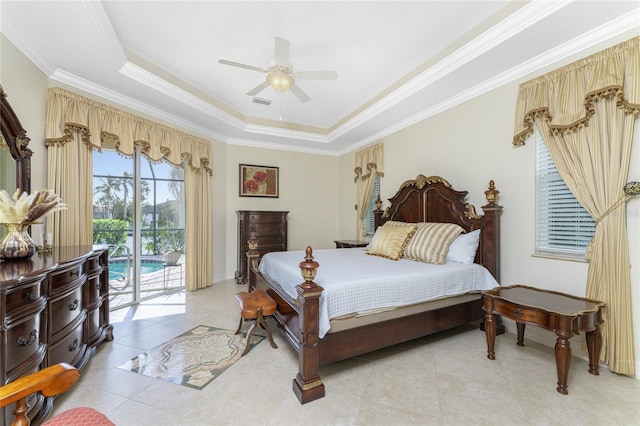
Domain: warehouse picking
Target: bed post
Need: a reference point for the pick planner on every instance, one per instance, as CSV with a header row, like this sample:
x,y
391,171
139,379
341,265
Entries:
x,y
253,255
492,212
307,384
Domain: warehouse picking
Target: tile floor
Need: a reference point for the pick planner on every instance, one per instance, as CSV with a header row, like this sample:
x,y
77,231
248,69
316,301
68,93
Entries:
x,y
443,379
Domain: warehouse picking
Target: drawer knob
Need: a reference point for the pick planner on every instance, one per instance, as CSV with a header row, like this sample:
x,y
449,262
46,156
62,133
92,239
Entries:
x,y
31,295
73,306
73,346
517,313
75,273
32,338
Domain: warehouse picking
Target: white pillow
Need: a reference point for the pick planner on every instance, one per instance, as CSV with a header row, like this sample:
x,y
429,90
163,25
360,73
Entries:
x,y
463,248
373,238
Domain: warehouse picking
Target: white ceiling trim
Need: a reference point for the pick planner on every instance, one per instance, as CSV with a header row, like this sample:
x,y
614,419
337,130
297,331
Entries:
x,y
135,105
504,30
102,24
281,147
287,133
13,34
161,85
606,31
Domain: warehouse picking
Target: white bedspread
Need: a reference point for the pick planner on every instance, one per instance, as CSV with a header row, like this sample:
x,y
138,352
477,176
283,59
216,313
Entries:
x,y
355,282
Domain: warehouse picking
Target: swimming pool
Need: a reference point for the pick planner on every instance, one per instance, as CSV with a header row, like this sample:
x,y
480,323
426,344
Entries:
x,y
118,268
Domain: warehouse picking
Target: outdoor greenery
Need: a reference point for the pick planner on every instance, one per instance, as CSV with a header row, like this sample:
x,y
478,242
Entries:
x,y
162,223
110,231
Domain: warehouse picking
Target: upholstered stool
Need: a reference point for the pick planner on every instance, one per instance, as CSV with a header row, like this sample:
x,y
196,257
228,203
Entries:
x,y
255,306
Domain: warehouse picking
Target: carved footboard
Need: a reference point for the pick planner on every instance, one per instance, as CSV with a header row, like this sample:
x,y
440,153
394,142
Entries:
x,y
299,320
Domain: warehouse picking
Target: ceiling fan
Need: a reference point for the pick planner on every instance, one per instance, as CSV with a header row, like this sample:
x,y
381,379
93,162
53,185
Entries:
x,y
280,74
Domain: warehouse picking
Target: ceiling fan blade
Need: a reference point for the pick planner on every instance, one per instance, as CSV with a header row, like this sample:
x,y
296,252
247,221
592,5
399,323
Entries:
x,y
239,65
302,97
317,75
259,88
282,51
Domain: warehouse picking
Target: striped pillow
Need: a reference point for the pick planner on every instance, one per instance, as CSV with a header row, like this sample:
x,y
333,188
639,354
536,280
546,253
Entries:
x,y
391,239
431,242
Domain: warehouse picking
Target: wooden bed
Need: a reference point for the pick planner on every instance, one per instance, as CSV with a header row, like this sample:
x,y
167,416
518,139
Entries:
x,y
423,199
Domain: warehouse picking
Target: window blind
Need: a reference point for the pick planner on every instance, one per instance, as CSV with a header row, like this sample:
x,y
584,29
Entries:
x,y
369,218
563,226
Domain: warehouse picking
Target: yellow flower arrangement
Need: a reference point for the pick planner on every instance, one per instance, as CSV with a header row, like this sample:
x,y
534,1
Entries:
x,y
24,209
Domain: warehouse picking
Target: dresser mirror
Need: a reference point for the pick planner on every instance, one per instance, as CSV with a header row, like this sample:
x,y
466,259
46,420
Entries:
x,y
15,156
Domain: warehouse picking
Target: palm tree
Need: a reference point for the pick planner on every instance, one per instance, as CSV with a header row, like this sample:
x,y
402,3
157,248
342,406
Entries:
x,y
108,193
127,182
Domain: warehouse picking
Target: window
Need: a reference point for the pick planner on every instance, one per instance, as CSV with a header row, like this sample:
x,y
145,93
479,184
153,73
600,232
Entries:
x,y
563,226
369,218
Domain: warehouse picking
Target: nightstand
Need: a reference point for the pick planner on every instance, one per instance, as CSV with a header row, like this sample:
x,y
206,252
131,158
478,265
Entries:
x,y
350,243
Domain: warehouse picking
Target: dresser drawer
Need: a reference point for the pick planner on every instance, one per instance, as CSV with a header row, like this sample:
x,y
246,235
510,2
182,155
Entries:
x,y
520,313
92,290
265,218
92,266
65,278
269,240
92,325
23,340
68,349
266,229
64,310
20,297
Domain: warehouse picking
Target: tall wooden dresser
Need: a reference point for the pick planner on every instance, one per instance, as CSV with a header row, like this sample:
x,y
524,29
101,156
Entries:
x,y
270,228
54,308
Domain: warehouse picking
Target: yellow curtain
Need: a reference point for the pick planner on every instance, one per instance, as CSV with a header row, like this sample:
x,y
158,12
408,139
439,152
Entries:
x,y
199,242
369,163
76,125
586,111
70,176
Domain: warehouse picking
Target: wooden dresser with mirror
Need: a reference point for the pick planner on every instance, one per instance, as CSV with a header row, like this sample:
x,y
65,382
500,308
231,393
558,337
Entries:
x,y
54,307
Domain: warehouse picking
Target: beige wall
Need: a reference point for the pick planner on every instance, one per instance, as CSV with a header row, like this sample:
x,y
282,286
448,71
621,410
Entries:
x,y
471,144
26,89
308,190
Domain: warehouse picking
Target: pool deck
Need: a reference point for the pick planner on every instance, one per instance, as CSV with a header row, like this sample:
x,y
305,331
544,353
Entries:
x,y
169,278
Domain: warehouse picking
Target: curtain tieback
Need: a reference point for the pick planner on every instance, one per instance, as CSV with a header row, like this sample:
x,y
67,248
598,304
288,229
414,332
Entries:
x,y
614,206
630,189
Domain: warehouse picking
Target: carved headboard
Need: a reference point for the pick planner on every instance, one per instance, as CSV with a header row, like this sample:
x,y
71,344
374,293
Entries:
x,y
432,199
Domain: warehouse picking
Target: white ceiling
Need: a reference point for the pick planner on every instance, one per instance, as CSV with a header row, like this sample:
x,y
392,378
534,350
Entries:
x,y
398,62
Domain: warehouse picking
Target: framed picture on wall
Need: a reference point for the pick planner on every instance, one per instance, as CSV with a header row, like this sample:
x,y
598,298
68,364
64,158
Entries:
x,y
259,181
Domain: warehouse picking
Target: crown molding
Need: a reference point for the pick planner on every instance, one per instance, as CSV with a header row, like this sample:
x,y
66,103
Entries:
x,y
161,85
133,104
504,30
9,30
585,41
281,147
102,24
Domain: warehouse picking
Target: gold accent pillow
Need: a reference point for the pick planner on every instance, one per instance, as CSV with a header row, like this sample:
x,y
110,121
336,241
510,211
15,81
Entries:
x,y
430,243
391,239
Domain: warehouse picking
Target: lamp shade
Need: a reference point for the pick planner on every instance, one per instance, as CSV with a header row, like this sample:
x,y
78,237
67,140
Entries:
x,y
279,81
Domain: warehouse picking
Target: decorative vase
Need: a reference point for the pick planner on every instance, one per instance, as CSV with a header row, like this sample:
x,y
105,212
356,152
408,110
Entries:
x,y
17,243
172,257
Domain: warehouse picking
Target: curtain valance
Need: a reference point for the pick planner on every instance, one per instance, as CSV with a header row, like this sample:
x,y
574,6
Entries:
x,y
566,96
368,160
98,123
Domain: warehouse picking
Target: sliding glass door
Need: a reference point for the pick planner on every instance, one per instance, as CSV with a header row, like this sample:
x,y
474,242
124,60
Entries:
x,y
138,208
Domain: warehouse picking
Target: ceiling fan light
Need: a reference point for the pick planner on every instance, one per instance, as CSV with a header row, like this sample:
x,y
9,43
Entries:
x,y
280,82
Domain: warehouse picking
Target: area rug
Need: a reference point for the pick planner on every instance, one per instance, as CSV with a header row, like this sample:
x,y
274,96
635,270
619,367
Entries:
x,y
194,358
